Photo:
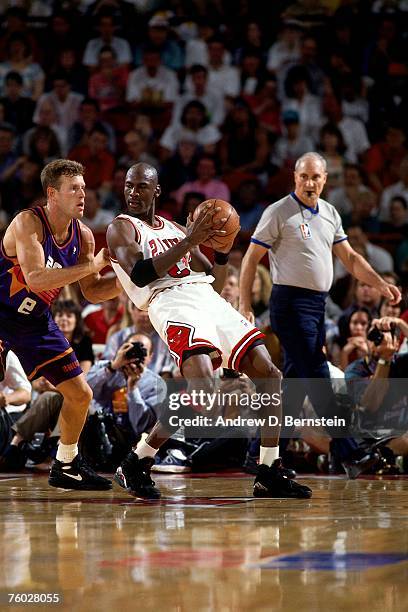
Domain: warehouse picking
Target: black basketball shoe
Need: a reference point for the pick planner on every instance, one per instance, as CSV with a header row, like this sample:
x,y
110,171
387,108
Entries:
x,y
272,482
133,474
77,475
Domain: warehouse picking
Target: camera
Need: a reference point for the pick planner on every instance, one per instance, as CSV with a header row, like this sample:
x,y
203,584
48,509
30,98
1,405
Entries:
x,y
137,353
376,335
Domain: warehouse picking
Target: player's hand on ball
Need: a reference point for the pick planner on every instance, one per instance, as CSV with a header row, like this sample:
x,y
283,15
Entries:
x,y
203,226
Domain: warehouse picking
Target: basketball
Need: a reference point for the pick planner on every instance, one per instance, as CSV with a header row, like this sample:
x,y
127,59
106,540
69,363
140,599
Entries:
x,y
230,226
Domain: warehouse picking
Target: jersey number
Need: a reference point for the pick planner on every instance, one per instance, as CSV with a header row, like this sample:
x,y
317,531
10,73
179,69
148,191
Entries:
x,y
27,306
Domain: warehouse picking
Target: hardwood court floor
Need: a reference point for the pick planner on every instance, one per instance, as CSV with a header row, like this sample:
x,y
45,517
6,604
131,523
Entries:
x,y
207,545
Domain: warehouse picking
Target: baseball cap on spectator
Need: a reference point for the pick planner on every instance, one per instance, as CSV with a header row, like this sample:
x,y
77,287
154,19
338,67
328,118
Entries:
x,y
290,116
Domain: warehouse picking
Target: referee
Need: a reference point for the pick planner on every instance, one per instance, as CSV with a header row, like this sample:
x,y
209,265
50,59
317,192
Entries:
x,y
301,232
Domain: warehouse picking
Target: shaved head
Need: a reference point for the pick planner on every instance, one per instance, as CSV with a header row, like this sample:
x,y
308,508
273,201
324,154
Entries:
x,y
146,170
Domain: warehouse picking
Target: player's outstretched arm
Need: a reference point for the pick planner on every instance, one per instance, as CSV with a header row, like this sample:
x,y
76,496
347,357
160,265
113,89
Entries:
x,y
27,230
96,288
251,259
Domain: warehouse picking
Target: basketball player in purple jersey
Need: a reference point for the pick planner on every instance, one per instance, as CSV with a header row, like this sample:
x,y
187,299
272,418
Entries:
x,y
44,249
163,271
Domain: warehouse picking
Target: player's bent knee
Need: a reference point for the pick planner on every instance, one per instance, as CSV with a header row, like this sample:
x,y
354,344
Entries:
x,y
77,393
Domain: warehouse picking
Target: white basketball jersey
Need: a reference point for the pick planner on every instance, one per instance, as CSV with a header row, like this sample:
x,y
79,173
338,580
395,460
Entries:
x,y
153,241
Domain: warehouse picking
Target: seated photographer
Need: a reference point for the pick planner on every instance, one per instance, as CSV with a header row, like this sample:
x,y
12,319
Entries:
x,y
126,387
377,386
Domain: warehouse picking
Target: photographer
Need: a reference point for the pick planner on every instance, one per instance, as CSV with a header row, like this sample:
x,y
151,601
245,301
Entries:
x,y
374,383
126,387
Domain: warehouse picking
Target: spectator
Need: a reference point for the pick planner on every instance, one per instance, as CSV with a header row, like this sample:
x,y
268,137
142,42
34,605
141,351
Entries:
x,y
383,160
77,74
300,99
265,105
398,189
230,291
221,77
180,167
67,316
128,388
308,66
158,36
286,49
137,321
252,72
106,27
206,183
344,197
363,214
374,385
292,144
65,102
43,145
18,110
15,393
47,117
153,88
252,42
8,157
353,131
351,343
23,188
89,118
244,148
398,223
113,199
194,125
19,60
98,161
196,48
95,217
136,149
249,207
198,89
332,148
354,104
98,319
108,83
190,202
59,35
377,257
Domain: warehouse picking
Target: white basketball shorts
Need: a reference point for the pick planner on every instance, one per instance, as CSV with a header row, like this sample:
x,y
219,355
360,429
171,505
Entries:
x,y
193,316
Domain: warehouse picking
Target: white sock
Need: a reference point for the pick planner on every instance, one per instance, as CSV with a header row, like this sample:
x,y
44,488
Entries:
x,y
144,450
268,454
67,452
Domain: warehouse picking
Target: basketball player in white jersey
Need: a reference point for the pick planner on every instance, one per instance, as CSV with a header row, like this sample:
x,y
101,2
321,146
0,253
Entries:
x,y
163,271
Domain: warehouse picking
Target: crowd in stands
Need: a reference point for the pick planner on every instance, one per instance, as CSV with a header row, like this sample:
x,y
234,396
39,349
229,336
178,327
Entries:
x,y
222,96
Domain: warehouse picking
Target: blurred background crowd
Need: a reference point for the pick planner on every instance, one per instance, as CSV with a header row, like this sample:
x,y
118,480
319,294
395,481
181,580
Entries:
x,y
222,96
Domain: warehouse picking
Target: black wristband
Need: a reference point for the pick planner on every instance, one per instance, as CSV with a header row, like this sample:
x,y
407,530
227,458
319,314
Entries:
x,y
220,258
143,272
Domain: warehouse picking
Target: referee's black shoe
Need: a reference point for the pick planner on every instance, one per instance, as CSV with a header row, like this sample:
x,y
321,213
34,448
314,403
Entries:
x,y
77,475
133,474
271,482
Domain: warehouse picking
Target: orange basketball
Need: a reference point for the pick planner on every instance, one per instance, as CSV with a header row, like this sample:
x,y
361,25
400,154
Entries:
x,y
230,226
